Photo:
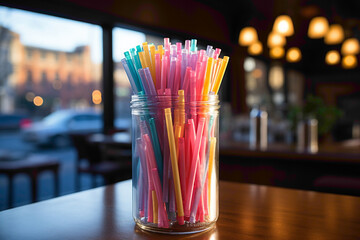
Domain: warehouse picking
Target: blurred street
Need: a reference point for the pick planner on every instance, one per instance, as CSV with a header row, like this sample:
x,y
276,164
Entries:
x,y
11,143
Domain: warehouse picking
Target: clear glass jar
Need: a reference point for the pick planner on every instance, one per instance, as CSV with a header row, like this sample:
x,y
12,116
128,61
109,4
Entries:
x,y
175,159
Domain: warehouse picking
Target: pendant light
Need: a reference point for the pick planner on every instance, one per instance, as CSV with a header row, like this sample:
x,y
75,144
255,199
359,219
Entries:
x,y
283,25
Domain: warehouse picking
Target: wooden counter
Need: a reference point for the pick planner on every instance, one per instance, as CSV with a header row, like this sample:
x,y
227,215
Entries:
x,y
246,212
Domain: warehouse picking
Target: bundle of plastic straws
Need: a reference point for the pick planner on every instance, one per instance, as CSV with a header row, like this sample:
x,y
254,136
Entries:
x,y
176,150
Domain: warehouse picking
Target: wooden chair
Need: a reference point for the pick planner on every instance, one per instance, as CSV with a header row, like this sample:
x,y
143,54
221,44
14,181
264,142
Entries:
x,y
92,159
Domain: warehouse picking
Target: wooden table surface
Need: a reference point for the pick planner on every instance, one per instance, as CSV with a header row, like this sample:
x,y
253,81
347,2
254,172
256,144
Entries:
x,y
246,212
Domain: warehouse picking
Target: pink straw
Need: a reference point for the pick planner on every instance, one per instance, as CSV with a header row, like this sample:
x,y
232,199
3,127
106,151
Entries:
x,y
164,72
194,163
177,79
181,163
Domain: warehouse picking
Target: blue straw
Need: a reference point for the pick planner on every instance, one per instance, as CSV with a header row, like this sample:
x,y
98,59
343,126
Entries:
x,y
133,71
128,73
150,82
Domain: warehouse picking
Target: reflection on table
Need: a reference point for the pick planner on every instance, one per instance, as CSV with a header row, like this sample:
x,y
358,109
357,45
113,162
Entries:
x,y
246,212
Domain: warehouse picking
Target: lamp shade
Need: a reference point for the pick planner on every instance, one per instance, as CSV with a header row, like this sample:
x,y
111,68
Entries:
x,y
277,52
332,57
349,61
350,47
255,48
293,54
335,35
247,36
318,27
276,40
283,25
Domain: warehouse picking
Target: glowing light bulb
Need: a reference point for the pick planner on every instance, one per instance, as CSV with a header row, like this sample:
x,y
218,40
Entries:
x,y
277,52
283,25
335,35
349,61
350,47
247,36
332,57
293,54
318,27
255,48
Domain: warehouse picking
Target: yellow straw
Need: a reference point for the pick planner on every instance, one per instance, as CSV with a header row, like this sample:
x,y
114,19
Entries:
x,y
211,162
152,68
174,165
220,76
155,207
177,136
206,88
147,55
181,108
161,50
143,60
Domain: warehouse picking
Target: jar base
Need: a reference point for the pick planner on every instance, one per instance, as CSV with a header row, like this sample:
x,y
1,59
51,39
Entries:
x,y
176,229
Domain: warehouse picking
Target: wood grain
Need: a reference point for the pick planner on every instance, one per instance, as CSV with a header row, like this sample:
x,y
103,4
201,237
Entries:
x,y
246,212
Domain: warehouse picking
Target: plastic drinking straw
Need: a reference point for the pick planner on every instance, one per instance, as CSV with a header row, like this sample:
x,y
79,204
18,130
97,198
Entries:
x,y
175,170
201,55
133,71
143,62
217,51
140,193
198,191
211,53
152,59
193,60
150,82
182,169
193,95
166,167
220,76
131,79
177,79
215,72
163,219
161,51
183,67
156,145
206,88
181,106
173,51
186,81
167,43
178,46
201,80
144,171
177,136
158,71
154,176
147,54
187,45
171,75
133,53
155,207
194,163
144,81
164,73
208,48
211,163
193,47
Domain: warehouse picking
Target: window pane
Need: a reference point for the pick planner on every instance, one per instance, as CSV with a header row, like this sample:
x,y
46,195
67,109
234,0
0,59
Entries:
x,y
123,40
50,72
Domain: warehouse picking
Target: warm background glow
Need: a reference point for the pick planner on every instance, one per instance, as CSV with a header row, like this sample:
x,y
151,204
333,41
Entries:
x,y
332,57
247,36
38,101
277,52
335,34
255,48
96,97
318,27
293,54
283,25
349,61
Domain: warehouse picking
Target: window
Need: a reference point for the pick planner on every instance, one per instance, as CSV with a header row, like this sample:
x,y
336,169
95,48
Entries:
x,y
123,40
46,84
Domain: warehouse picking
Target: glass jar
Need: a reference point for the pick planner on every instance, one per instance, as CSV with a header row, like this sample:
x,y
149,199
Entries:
x,y
175,159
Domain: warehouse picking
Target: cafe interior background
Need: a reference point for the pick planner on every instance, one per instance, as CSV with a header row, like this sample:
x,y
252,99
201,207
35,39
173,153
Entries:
x,y
290,98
